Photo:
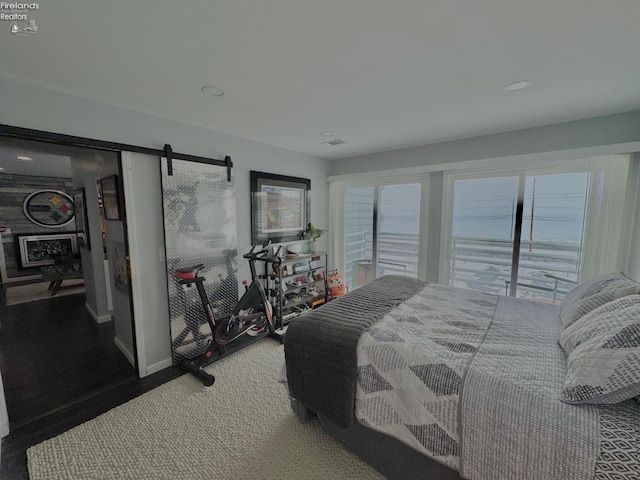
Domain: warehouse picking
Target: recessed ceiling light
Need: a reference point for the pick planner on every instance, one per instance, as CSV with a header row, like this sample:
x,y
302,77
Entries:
x,y
515,86
327,134
1,169
212,91
24,158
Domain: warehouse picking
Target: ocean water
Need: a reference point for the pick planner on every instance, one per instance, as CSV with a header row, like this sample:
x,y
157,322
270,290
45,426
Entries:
x,y
554,207
485,208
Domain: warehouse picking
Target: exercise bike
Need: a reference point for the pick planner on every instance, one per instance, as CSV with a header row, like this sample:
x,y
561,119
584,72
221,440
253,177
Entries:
x,y
252,314
192,308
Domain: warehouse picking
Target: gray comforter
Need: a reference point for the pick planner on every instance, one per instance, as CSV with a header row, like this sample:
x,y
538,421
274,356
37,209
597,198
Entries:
x,y
469,379
320,346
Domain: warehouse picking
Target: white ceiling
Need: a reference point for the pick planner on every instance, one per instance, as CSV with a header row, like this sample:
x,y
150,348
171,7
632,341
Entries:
x,y
381,74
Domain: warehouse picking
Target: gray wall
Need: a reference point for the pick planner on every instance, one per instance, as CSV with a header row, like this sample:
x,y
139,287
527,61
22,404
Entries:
x,y
38,108
87,167
581,134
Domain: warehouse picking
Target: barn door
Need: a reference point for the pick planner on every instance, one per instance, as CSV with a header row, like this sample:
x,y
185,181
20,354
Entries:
x,y
200,228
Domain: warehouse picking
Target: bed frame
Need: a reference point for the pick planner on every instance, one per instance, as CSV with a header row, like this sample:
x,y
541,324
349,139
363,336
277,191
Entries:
x,y
392,458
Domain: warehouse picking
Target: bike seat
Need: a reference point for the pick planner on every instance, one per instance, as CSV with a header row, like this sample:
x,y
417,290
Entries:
x,y
188,273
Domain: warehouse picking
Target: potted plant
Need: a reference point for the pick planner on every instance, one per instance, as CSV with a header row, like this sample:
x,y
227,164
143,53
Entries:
x,y
312,233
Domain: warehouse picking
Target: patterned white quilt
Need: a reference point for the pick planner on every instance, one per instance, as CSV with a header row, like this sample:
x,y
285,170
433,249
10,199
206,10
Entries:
x,y
411,364
473,381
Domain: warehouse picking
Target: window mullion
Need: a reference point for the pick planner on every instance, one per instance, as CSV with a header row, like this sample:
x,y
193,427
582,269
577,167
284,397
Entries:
x,y
517,237
376,227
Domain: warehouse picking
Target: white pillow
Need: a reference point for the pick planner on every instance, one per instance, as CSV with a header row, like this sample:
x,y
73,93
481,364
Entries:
x,y
604,354
593,293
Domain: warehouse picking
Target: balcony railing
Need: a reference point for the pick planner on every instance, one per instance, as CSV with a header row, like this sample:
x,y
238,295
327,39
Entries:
x,y
547,270
397,255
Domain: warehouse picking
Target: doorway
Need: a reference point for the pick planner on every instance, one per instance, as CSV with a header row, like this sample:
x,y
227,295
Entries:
x,y
62,348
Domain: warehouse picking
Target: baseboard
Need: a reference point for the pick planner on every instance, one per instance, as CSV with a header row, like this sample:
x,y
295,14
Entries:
x,y
21,279
102,319
156,367
125,351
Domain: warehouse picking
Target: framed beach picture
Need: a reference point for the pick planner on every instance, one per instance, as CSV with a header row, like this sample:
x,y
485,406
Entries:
x,y
110,197
279,207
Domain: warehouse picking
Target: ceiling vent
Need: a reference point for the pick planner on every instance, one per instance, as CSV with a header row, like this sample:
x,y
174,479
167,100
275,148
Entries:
x,y
333,143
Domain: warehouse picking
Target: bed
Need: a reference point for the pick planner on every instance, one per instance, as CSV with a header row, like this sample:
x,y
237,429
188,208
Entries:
x,y
429,381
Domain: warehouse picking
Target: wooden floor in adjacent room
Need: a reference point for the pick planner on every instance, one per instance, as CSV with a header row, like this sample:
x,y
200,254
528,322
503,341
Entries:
x,y
59,369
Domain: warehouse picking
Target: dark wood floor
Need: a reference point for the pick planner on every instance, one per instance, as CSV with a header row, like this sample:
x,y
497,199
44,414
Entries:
x,y
59,369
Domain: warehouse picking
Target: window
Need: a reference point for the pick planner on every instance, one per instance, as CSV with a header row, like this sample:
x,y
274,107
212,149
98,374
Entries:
x,y
533,233
381,230
483,220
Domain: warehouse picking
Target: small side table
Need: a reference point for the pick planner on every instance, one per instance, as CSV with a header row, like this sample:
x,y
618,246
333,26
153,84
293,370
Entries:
x,y
65,268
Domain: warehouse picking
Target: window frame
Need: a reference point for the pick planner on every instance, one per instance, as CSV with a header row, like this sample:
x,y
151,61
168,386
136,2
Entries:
x,y
613,167
337,190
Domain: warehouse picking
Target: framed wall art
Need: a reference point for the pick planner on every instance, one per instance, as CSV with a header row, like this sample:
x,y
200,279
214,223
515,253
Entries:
x,y
279,207
82,219
120,267
40,250
110,197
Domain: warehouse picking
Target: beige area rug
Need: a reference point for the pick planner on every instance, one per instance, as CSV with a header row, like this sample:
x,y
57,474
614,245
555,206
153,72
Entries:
x,y
240,428
39,291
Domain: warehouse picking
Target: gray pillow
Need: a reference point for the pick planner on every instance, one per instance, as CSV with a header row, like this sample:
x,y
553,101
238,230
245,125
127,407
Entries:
x,y
604,354
594,293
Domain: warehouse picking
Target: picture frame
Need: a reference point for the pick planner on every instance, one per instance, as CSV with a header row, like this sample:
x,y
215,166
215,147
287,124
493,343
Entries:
x,y
41,250
110,197
82,218
119,265
279,207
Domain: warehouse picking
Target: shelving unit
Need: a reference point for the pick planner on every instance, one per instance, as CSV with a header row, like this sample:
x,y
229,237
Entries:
x,y
293,297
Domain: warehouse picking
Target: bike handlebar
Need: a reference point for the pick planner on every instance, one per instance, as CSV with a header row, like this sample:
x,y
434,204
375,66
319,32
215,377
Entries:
x,y
262,255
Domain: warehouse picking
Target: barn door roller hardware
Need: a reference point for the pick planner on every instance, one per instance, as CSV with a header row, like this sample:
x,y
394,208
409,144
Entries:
x,y
171,155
